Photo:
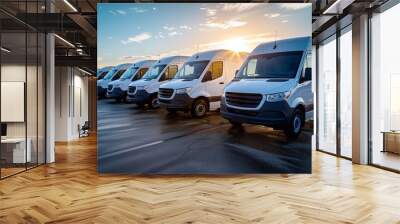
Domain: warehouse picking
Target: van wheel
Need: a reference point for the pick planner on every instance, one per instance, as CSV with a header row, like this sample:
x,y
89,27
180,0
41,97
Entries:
x,y
296,124
140,105
235,124
125,98
199,108
171,111
154,102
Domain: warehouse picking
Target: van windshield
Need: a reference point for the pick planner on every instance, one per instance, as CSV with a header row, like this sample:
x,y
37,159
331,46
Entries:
x,y
274,65
101,75
154,72
129,73
110,74
191,70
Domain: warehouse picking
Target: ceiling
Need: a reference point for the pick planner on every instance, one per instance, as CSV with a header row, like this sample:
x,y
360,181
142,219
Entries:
x,y
75,22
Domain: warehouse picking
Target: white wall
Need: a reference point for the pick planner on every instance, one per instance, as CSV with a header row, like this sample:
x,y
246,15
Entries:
x,y
71,102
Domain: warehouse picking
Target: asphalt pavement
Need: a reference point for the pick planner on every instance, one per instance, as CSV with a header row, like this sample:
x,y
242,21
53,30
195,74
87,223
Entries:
x,y
146,141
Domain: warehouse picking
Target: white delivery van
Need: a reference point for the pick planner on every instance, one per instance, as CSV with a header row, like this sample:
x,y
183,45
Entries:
x,y
118,89
145,90
103,72
114,74
199,84
273,87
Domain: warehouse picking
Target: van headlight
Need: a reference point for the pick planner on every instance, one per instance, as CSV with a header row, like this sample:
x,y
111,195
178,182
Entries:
x,y
183,90
277,96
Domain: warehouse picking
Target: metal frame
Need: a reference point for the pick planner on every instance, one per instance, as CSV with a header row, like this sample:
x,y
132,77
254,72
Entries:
x,y
338,152
389,4
44,71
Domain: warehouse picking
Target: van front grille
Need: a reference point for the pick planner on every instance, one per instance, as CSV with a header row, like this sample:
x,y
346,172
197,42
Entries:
x,y
131,89
249,100
165,93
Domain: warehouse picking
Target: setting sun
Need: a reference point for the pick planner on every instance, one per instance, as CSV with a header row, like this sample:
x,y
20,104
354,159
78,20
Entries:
x,y
237,44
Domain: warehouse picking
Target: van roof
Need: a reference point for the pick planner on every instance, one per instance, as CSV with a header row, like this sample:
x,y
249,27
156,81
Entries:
x,y
219,53
143,63
291,44
123,66
171,59
106,68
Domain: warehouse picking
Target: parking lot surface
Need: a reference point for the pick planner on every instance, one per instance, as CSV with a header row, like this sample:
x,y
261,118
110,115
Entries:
x,y
145,141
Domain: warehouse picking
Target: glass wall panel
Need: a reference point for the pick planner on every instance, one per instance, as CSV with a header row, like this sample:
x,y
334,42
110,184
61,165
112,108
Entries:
x,y
346,92
41,98
22,77
14,153
327,95
385,89
31,97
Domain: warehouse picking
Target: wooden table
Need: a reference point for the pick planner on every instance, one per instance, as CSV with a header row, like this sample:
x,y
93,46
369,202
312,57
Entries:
x,y
391,141
17,147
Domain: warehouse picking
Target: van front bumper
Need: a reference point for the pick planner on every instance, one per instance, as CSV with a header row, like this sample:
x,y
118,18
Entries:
x,y
101,91
141,96
271,114
179,102
116,93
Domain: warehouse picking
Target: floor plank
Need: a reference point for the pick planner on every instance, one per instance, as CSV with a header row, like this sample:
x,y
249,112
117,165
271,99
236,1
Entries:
x,y
71,191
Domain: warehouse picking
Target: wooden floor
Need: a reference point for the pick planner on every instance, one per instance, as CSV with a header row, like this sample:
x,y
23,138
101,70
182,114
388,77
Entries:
x,y
71,191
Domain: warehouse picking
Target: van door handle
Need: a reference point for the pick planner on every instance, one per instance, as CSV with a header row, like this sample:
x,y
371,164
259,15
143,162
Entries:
x,y
221,82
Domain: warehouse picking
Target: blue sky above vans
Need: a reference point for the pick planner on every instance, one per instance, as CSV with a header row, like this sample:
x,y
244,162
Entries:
x,y
129,32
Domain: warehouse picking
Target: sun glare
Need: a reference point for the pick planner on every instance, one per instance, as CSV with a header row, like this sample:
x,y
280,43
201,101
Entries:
x,y
238,45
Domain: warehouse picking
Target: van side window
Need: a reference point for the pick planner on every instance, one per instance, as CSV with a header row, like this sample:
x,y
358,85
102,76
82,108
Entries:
x,y
306,74
250,69
140,74
118,75
171,72
216,69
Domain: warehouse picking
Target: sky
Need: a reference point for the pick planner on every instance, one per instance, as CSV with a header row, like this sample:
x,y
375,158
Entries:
x,y
129,32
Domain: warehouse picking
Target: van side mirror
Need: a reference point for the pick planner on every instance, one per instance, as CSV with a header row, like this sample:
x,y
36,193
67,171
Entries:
x,y
207,76
307,75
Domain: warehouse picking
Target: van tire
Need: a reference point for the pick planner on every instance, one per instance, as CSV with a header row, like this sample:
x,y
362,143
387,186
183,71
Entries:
x,y
235,124
171,111
153,103
140,105
199,108
125,98
296,123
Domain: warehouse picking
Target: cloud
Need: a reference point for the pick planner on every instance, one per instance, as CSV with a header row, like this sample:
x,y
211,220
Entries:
x,y
117,12
169,28
239,7
284,21
138,38
185,27
133,57
224,25
295,6
251,41
138,10
122,12
211,12
273,15
99,59
174,33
